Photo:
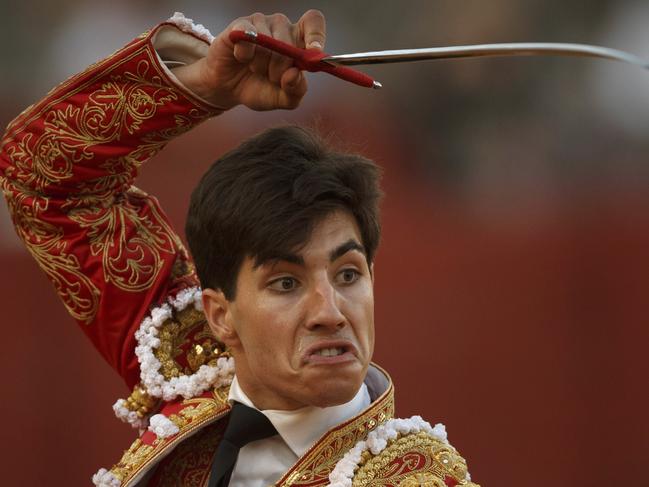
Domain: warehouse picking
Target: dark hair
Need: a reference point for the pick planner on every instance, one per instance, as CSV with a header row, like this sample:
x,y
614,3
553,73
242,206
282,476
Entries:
x,y
265,197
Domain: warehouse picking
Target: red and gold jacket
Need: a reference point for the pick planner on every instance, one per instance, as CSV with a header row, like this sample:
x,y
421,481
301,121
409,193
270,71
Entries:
x,y
67,168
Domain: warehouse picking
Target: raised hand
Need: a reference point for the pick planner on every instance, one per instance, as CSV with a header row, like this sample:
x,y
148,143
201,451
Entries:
x,y
242,73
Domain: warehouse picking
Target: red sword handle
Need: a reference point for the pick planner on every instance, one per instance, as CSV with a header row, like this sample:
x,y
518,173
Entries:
x,y
305,59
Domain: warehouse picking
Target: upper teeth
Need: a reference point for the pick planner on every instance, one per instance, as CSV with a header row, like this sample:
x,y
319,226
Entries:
x,y
329,352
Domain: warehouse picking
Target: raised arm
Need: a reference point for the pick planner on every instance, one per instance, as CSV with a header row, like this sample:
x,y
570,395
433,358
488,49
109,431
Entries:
x,y
68,164
67,168
230,75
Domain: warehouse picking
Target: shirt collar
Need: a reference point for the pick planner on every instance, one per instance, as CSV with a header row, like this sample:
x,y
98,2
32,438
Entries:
x,y
302,428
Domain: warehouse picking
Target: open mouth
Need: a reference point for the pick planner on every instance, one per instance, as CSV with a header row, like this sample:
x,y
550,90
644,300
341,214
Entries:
x,y
330,352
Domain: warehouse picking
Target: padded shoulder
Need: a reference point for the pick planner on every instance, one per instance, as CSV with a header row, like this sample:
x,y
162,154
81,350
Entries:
x,y
412,460
177,421
404,452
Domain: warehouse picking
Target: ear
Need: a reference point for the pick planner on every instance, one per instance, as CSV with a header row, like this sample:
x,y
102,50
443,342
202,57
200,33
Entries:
x,y
372,272
218,314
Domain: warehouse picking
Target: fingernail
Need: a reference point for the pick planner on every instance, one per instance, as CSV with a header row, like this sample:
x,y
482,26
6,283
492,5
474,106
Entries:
x,y
315,45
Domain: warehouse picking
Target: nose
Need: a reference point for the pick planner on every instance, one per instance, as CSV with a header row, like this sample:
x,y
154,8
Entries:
x,y
324,308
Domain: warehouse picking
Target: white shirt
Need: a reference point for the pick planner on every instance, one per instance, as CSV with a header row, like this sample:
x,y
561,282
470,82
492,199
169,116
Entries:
x,y
261,463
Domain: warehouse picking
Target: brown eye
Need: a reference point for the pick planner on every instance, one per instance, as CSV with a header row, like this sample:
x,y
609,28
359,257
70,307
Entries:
x,y
288,284
348,276
284,284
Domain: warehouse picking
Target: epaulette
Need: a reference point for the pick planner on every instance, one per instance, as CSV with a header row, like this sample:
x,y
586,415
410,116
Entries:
x,y
179,357
176,421
403,452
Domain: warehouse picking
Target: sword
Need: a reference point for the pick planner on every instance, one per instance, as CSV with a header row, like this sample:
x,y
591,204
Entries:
x,y
313,60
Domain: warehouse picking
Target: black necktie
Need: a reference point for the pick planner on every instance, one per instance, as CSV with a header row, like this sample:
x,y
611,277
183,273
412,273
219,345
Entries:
x,y
245,425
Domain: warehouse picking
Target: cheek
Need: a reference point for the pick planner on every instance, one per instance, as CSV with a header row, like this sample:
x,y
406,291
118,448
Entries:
x,y
359,302
266,329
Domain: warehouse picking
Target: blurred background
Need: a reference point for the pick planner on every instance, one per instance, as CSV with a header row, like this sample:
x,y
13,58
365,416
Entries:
x,y
513,278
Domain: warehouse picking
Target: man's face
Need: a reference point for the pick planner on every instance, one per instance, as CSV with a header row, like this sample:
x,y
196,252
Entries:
x,y
303,325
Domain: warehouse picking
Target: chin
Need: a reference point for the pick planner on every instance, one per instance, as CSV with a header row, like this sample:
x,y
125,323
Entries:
x,y
332,399
335,391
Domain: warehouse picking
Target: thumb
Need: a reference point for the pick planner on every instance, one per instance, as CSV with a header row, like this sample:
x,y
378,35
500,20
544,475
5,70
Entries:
x,y
293,88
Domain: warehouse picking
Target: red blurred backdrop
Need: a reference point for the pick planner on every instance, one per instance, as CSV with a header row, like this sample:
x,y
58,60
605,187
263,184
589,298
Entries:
x,y
512,282
526,339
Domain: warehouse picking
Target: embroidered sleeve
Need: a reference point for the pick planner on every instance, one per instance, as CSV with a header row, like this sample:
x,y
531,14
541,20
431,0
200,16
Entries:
x,y
67,167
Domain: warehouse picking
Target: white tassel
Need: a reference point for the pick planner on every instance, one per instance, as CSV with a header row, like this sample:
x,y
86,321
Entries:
x,y
377,441
104,478
186,386
188,25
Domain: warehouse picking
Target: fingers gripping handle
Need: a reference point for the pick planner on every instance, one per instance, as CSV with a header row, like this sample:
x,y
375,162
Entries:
x,y
305,59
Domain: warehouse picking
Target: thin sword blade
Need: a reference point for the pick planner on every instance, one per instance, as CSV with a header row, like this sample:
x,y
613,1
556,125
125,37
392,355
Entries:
x,y
485,50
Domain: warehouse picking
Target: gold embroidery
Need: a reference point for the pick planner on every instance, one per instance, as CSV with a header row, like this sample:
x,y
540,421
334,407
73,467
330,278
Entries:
x,y
186,343
47,246
316,465
119,106
190,464
314,468
140,402
200,409
451,461
422,480
221,395
130,244
194,414
410,460
132,458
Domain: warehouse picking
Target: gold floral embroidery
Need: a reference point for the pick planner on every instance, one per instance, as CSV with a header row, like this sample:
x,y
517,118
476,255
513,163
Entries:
x,y
130,244
186,344
70,134
198,410
195,414
422,480
132,458
412,460
316,465
46,244
191,462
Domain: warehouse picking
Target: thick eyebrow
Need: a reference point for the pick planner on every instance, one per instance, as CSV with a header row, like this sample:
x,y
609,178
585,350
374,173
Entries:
x,y
341,250
291,258
282,256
